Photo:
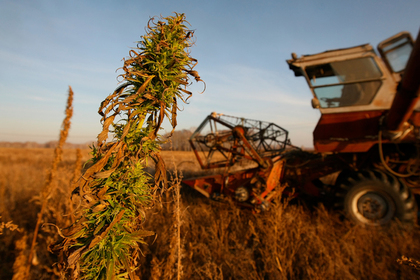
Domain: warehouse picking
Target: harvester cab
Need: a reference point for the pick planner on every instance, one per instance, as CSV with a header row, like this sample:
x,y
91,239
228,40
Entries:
x,y
369,127
353,88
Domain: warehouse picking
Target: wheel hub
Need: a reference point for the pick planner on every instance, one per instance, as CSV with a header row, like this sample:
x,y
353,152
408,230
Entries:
x,y
372,206
241,194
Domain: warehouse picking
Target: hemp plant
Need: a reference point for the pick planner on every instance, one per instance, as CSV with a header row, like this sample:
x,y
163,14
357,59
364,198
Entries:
x,y
103,243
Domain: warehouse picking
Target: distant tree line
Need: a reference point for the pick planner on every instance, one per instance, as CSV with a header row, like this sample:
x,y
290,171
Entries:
x,y
178,141
48,145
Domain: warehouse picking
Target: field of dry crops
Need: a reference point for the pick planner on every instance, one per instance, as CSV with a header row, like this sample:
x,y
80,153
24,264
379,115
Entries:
x,y
217,241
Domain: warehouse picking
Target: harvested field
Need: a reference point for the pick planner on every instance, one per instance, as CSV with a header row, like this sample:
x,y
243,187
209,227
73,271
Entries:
x,y
217,240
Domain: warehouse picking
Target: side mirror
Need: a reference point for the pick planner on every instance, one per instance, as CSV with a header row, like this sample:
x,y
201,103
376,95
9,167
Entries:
x,y
315,103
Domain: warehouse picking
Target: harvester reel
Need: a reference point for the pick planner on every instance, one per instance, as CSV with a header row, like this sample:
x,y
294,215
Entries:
x,y
222,141
210,140
373,198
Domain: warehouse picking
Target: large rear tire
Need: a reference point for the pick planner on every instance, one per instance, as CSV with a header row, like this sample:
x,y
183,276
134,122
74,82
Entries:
x,y
373,198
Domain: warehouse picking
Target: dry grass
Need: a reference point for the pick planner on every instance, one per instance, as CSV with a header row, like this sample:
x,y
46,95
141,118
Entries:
x,y
218,241
23,173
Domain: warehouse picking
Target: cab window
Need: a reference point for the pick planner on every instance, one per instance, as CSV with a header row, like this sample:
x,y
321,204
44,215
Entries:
x,y
345,83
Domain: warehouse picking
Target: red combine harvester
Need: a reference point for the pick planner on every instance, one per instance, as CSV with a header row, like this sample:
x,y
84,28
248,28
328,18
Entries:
x,y
367,142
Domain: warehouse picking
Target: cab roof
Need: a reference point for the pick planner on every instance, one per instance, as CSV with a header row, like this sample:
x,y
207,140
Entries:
x,y
296,63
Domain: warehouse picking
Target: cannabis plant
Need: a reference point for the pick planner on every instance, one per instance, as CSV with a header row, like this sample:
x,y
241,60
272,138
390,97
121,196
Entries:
x,y
115,188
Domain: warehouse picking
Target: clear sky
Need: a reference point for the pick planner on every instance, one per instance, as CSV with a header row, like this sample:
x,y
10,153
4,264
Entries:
x,y
241,47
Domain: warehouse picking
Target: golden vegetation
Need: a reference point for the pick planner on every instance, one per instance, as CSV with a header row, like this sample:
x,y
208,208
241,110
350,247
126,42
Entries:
x,y
46,191
216,240
9,225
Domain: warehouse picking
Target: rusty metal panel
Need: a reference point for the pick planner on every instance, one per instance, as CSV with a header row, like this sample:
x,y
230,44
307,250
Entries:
x,y
347,132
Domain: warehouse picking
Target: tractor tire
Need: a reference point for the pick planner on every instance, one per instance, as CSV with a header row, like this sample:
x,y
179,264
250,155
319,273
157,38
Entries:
x,y
373,198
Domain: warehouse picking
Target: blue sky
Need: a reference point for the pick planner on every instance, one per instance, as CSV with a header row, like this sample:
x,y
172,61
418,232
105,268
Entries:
x,y
241,47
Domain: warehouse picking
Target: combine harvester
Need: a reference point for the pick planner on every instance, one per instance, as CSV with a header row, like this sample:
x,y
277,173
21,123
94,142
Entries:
x,y
367,142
